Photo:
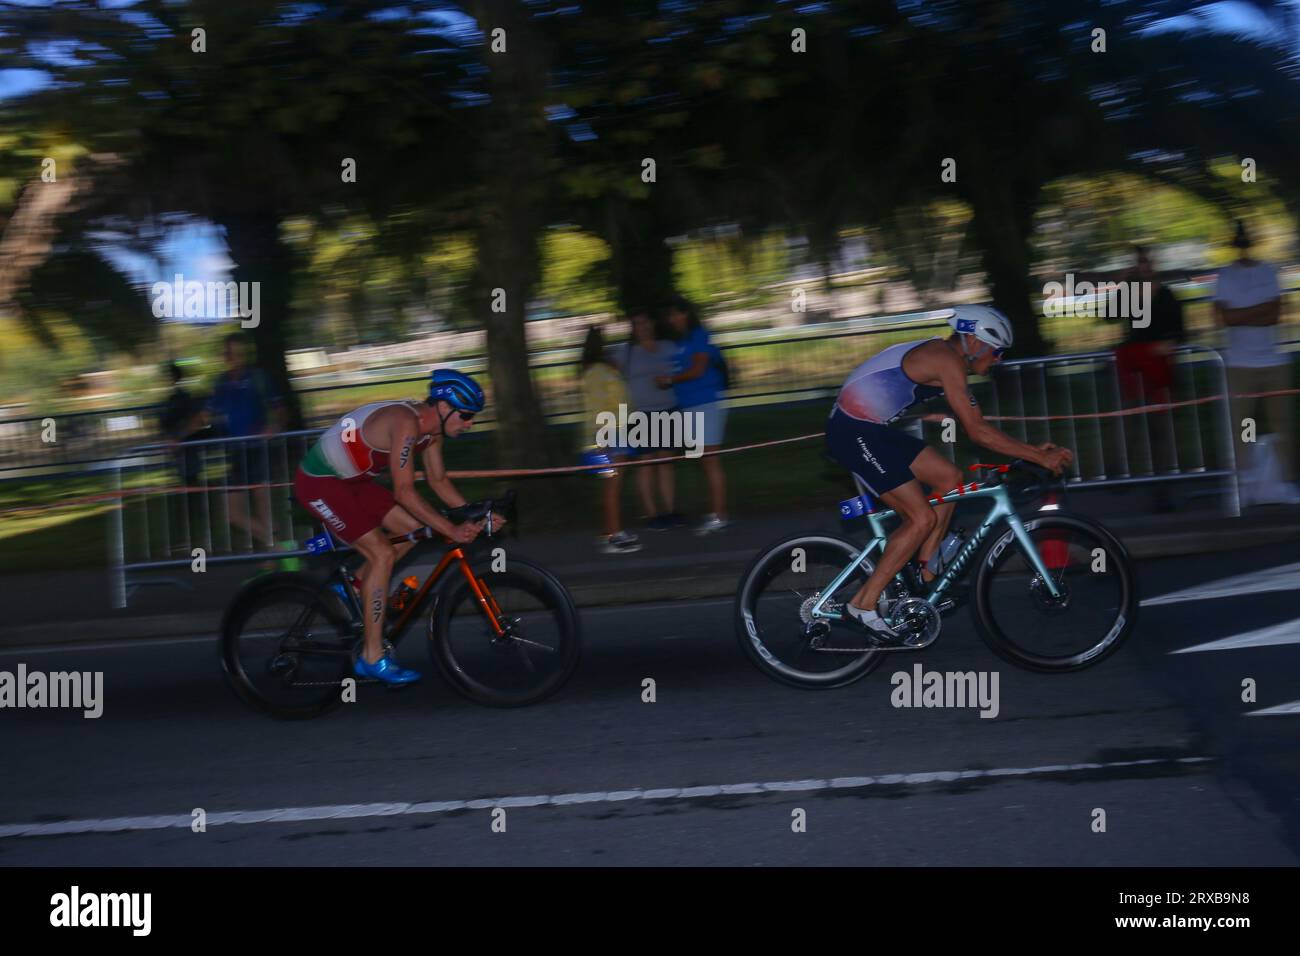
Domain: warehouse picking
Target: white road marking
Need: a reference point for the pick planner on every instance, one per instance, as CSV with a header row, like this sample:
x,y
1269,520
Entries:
x,y
1283,578
1292,708
365,810
1286,633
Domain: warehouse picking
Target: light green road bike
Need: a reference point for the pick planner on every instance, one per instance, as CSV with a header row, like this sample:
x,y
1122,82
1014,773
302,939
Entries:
x,y
1053,592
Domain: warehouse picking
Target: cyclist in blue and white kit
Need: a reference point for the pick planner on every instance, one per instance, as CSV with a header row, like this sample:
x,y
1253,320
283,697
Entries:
x,y
895,465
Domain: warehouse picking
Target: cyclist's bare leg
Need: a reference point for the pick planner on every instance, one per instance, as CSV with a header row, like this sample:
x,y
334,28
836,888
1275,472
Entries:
x,y
397,521
918,521
400,521
942,476
377,571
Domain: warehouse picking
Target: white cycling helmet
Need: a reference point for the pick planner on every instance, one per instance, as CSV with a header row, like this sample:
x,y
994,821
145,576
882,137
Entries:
x,y
985,323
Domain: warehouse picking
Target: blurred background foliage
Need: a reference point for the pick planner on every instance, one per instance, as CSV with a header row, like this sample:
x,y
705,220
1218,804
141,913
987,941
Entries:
x,y
775,167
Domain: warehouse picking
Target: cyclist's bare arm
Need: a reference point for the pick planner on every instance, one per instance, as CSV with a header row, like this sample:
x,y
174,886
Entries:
x,y
402,437
950,371
435,472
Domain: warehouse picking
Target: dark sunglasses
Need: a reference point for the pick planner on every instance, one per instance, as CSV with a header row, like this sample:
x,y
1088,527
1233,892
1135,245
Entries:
x,y
998,353
465,416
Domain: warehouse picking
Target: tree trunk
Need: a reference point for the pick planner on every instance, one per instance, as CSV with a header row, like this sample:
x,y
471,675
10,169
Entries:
x,y
642,262
261,257
513,171
1002,218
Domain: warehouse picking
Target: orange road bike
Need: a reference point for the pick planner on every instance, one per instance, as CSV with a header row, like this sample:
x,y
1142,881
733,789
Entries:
x,y
503,632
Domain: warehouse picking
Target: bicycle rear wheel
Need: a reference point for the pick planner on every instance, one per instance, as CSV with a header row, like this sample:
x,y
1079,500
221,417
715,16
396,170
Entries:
x,y
538,652
773,605
286,647
1097,609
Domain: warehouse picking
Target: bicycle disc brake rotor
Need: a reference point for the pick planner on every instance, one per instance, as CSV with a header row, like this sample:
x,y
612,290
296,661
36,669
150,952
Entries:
x,y
916,618
1044,598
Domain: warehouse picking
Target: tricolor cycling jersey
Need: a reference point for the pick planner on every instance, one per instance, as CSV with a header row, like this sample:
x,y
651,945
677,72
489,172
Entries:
x,y
343,452
879,390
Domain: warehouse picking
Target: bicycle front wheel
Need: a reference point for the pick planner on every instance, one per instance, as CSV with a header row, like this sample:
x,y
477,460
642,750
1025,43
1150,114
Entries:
x,y
1097,604
533,656
773,613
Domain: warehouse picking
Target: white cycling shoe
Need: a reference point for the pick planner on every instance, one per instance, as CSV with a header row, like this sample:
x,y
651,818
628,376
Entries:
x,y
875,625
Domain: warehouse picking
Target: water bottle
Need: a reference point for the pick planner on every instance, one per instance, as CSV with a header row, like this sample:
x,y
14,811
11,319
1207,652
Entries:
x,y
397,603
948,547
346,591
951,544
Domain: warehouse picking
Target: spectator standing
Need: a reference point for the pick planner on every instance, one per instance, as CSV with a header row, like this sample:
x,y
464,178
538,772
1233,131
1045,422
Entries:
x,y
1144,363
603,391
244,407
697,384
183,419
1248,304
647,356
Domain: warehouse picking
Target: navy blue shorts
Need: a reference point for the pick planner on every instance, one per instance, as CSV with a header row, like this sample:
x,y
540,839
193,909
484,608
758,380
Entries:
x,y
881,456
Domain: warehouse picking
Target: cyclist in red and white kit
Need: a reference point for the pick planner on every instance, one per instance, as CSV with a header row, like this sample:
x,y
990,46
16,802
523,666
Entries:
x,y
336,482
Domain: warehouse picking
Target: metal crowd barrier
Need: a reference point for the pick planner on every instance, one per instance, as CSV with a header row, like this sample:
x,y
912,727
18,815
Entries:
x,y
193,489
194,486
79,438
1193,440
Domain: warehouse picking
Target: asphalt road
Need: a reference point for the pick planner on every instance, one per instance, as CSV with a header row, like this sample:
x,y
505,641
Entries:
x,y
1185,774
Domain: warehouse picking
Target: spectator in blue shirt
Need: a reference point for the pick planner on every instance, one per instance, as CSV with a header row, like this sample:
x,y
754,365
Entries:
x,y
243,406
697,384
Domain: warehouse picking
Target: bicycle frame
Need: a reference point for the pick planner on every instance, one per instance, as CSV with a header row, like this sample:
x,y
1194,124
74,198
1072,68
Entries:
x,y
456,555
1001,510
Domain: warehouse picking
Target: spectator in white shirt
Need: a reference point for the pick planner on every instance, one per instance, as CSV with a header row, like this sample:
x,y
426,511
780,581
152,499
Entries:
x,y
1248,304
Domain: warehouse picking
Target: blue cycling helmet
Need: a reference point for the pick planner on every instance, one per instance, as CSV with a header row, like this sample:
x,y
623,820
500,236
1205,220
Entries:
x,y
456,389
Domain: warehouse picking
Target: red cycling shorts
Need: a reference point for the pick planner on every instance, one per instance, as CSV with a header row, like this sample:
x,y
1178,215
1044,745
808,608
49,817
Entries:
x,y
348,509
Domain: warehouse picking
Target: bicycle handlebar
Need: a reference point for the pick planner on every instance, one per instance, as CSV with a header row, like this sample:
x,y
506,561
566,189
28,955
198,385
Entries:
x,y
470,511
1042,482
478,510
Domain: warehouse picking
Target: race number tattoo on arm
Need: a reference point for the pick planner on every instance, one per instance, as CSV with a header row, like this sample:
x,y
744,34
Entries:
x,y
406,452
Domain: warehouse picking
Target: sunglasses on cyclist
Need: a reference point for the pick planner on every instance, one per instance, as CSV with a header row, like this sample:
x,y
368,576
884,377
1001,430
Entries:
x,y
465,416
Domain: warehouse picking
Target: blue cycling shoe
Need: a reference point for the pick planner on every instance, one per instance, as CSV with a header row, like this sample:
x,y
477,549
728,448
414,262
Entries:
x,y
385,669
